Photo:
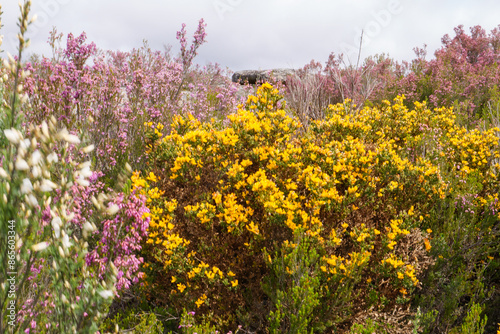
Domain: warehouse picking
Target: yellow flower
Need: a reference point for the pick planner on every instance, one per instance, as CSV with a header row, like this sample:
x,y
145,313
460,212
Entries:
x,y
137,181
230,274
411,211
253,228
174,279
201,300
210,274
151,177
267,85
427,245
181,287
234,283
217,198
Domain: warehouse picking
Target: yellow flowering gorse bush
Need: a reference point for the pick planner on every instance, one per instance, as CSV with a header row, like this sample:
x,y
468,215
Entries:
x,y
227,203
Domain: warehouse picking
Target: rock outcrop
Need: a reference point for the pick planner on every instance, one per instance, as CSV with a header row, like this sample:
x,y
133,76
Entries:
x,y
260,76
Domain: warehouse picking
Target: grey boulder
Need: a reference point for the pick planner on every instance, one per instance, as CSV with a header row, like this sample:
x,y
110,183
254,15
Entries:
x,y
253,77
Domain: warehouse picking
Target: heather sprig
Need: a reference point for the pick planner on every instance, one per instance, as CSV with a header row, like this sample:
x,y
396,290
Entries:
x,y
46,284
66,286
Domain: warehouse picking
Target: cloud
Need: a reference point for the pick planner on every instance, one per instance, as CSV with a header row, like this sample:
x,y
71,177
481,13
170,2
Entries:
x,y
245,34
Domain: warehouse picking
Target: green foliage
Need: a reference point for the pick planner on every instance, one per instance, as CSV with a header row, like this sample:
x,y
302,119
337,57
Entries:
x,y
369,327
144,323
188,325
149,325
294,287
473,322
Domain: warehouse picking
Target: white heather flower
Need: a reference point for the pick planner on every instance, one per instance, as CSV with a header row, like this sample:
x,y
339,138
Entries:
x,y
102,197
72,139
26,187
61,252
85,172
87,227
12,135
24,144
56,225
70,216
95,202
32,200
47,185
36,158
40,246
52,157
106,294
84,164
88,149
112,209
21,164
3,173
46,173
113,267
25,74
62,133
24,98
65,241
81,181
53,122
36,171
19,244
45,129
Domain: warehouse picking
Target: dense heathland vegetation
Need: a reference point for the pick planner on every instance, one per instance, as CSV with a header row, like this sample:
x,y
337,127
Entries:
x,y
140,193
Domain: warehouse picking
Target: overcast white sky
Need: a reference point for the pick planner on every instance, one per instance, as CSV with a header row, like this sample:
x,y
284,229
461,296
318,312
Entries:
x,y
256,34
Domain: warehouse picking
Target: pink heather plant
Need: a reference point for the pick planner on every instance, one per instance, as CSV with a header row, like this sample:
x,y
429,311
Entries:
x,y
462,73
128,224
111,95
106,98
131,227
